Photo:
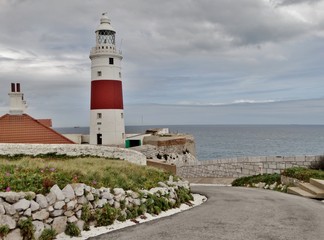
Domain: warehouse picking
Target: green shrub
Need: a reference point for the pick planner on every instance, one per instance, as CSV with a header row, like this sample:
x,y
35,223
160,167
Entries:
x,y
72,230
48,234
4,230
266,178
303,174
27,229
106,215
184,195
318,164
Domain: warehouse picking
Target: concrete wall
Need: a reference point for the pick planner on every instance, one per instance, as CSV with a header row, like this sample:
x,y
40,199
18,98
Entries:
x,y
245,166
164,166
74,150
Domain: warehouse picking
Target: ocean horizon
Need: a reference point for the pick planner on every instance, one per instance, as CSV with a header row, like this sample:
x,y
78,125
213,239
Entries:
x,y
227,141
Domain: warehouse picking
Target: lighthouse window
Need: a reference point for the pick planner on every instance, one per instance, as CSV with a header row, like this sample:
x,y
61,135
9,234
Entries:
x,y
99,115
98,123
122,115
99,73
111,61
119,74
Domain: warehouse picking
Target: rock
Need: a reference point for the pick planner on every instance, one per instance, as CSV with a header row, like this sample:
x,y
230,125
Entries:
x,y
10,210
161,190
39,227
107,195
80,224
58,192
7,220
59,224
273,186
72,219
90,196
78,189
116,205
171,179
111,202
82,200
70,205
2,210
11,197
14,235
28,212
57,213
49,220
51,198
41,215
137,202
119,191
78,214
132,194
42,201
119,197
100,203
162,184
266,186
172,201
50,209
68,192
21,205
69,213
59,205
34,206
30,195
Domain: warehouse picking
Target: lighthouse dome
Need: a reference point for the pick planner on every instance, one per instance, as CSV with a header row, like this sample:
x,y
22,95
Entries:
x,y
105,24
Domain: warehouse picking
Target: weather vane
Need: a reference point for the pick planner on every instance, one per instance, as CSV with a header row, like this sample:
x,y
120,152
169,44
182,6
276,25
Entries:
x,y
104,13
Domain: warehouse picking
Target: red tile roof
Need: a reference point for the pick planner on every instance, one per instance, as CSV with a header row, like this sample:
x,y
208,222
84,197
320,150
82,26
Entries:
x,y
25,129
46,122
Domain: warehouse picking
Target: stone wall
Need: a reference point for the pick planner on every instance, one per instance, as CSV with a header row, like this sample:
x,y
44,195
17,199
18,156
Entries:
x,y
60,207
74,150
240,167
166,155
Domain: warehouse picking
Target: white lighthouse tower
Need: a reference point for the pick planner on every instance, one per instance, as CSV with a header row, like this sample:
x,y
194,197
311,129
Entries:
x,y
107,125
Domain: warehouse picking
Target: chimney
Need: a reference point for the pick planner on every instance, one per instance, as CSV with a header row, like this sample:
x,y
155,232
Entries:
x,y
17,103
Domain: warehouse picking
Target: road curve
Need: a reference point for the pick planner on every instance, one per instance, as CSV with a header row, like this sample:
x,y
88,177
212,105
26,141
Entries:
x,y
236,213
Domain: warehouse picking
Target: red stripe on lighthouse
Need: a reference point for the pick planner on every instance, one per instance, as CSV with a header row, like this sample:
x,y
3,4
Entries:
x,y
106,94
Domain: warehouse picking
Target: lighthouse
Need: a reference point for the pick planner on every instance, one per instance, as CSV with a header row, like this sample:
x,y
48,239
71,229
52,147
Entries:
x,y
107,126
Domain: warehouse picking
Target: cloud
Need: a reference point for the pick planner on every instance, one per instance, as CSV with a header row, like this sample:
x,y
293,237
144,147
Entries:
x,y
195,52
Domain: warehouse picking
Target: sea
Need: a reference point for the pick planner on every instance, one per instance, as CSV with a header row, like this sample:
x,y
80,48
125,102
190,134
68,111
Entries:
x,y
227,141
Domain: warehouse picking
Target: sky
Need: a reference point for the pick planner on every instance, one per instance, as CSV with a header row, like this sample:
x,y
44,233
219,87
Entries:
x,y
185,61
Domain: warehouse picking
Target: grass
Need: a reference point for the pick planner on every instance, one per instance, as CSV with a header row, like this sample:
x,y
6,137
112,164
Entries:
x,y
303,174
25,173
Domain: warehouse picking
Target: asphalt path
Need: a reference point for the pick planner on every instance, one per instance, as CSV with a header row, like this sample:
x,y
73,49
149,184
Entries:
x,y
235,213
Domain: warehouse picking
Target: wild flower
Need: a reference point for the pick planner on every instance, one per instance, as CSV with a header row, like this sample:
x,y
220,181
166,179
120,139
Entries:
x,y
8,189
52,169
7,174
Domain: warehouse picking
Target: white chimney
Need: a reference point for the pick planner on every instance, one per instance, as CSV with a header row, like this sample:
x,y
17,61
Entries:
x,y
17,103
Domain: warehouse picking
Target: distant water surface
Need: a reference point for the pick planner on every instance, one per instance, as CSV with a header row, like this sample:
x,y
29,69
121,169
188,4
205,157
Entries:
x,y
225,141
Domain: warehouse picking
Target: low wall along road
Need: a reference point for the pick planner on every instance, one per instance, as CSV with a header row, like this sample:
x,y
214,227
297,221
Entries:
x,y
242,166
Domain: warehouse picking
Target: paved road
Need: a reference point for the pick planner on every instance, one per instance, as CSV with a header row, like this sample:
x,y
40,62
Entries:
x,y
236,213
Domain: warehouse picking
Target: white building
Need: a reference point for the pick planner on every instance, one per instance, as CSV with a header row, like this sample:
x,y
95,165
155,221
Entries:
x,y
107,125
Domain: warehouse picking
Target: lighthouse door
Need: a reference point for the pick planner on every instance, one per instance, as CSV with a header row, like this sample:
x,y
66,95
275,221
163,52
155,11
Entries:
x,y
99,139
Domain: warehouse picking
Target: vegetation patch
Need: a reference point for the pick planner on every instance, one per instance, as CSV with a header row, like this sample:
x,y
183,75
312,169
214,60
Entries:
x,y
318,165
250,180
4,230
48,234
303,174
26,173
27,229
72,230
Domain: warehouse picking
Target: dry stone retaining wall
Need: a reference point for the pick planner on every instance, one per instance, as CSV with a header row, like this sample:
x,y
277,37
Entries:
x,y
60,207
74,150
245,166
